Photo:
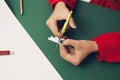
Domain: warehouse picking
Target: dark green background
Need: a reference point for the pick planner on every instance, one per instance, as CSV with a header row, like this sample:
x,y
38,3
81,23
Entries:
x,y
91,20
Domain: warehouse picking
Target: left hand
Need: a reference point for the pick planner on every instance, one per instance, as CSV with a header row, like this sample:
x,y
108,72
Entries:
x,y
75,51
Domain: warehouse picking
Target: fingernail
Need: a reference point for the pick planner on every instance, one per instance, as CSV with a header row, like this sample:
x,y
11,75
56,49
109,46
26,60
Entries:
x,y
74,26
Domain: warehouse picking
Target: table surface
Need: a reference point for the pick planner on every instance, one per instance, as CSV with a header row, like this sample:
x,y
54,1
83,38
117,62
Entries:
x,y
91,20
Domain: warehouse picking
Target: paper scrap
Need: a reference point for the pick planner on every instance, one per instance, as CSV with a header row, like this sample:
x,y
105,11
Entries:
x,y
55,39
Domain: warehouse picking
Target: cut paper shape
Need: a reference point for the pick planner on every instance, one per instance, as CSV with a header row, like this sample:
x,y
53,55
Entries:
x,y
55,39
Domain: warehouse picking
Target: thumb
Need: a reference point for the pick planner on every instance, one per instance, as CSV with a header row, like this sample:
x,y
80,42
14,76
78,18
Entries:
x,y
68,42
52,25
72,23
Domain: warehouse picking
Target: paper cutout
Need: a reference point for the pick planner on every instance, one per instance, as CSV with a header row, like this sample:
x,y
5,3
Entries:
x,y
55,39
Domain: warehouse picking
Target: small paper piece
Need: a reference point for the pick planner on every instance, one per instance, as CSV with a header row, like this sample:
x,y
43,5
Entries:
x,y
55,39
86,0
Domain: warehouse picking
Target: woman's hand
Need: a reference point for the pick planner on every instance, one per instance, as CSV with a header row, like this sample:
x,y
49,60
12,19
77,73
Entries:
x,y
75,51
60,13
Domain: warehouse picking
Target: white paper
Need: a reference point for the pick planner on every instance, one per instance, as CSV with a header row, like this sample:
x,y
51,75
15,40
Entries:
x,y
28,62
55,39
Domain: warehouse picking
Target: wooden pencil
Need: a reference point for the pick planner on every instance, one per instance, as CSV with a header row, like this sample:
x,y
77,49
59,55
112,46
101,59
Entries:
x,y
21,7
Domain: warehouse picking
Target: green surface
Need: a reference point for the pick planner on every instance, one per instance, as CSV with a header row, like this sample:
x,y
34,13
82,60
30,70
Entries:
x,y
91,21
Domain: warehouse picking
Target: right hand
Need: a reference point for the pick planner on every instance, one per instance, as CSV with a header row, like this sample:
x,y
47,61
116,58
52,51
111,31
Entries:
x,y
60,13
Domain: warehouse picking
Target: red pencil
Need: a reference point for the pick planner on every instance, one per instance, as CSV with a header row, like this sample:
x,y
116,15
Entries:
x,y
6,52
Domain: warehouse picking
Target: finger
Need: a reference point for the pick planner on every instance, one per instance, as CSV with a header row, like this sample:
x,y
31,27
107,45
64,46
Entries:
x,y
52,24
71,50
65,54
72,23
69,42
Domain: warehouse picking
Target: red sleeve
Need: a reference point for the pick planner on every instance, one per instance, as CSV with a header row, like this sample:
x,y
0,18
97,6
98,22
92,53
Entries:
x,y
70,3
109,47
112,4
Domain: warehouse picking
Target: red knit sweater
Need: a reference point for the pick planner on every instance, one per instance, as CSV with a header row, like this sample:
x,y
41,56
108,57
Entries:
x,y
108,43
112,4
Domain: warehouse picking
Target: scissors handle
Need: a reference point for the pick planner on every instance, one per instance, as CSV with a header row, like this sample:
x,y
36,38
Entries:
x,y
66,23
